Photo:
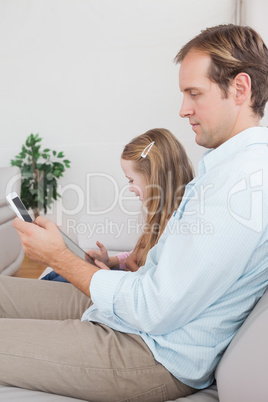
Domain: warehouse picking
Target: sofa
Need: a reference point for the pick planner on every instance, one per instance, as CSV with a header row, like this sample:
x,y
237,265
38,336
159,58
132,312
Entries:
x,y
241,375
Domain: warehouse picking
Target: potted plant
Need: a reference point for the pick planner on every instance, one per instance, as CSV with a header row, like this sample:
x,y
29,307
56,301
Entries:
x,y
40,171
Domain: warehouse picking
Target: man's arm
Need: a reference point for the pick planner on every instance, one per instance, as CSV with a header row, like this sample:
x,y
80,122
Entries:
x,y
42,242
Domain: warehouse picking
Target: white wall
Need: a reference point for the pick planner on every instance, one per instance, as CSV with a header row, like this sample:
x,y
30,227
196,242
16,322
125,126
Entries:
x,y
89,75
254,13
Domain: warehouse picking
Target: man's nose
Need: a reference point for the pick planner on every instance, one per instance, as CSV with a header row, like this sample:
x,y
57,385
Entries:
x,y
186,110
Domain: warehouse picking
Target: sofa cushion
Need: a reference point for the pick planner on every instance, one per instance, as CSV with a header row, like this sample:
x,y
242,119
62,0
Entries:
x,y
242,372
13,394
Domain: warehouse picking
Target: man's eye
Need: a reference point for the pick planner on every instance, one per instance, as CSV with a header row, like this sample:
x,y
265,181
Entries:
x,y
130,181
194,94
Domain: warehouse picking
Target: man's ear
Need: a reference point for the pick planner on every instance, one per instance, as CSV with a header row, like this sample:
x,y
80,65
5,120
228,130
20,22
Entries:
x,y
242,87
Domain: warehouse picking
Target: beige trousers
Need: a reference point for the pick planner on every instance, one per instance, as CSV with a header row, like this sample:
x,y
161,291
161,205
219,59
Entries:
x,y
44,346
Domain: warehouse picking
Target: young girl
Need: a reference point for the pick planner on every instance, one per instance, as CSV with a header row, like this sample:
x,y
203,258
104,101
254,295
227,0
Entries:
x,y
158,169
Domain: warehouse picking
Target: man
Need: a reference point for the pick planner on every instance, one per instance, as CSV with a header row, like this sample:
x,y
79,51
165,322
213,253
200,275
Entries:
x,y
159,333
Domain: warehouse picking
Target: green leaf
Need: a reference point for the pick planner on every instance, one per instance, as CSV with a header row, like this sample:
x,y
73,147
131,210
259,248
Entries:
x,y
57,173
36,155
54,153
46,150
58,165
16,163
37,138
60,155
28,141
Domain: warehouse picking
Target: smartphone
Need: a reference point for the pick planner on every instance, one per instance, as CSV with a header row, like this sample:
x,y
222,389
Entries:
x,y
22,213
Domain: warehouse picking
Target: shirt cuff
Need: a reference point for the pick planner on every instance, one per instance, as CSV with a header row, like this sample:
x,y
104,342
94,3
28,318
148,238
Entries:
x,y
102,288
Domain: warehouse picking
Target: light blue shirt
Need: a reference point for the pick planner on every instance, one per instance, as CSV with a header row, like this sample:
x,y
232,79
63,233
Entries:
x,y
207,271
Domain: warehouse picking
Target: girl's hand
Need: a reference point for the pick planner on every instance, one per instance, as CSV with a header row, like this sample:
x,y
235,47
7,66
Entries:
x,y
101,255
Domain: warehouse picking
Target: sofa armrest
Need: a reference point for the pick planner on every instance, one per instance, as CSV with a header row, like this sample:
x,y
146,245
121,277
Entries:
x,y
242,372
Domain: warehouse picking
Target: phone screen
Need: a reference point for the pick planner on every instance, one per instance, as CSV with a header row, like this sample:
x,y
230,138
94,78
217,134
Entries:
x,y
26,217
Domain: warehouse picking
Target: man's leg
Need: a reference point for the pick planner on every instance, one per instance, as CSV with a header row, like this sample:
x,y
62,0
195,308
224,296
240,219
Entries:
x,y
47,300
79,359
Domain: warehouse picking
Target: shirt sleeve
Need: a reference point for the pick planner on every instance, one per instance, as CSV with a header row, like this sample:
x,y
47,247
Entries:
x,y
196,260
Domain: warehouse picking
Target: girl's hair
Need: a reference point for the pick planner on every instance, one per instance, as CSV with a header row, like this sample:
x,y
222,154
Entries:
x,y
234,49
167,170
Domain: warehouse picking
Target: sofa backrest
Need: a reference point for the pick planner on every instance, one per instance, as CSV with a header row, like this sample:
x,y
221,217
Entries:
x,y
118,230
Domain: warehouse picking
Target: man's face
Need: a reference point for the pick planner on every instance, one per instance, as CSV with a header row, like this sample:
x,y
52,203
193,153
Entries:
x,y
211,116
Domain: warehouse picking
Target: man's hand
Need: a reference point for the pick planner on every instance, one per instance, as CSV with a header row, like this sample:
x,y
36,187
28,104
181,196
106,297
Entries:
x,y
101,265
42,242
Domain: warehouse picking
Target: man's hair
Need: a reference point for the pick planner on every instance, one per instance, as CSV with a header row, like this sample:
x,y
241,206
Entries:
x,y
167,169
234,49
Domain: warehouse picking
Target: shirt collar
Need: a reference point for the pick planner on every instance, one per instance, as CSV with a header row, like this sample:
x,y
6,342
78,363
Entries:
x,y
250,136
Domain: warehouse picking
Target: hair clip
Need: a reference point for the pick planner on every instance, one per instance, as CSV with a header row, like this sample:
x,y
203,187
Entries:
x,y
147,150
